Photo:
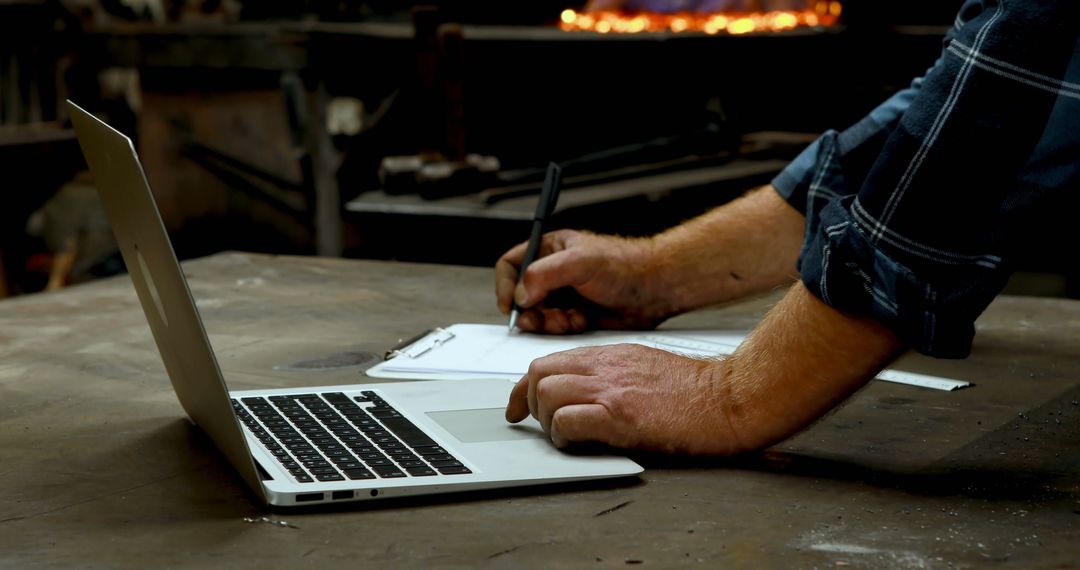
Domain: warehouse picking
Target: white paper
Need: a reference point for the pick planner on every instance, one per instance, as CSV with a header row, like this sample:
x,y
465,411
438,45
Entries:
x,y
913,379
489,351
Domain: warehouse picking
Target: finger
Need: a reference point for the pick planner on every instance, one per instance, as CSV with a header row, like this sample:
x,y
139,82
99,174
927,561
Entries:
x,y
532,378
517,407
580,361
578,321
507,268
582,423
563,268
556,321
530,320
547,320
554,392
550,365
506,276
504,290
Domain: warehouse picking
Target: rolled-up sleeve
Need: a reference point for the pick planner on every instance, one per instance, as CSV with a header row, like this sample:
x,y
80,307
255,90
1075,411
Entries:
x,y
915,215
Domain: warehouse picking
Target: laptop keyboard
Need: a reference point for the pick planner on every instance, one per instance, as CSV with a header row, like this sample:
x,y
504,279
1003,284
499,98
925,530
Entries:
x,y
330,437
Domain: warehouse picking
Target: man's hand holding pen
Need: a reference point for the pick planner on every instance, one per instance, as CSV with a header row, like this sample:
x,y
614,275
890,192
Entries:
x,y
611,279
568,281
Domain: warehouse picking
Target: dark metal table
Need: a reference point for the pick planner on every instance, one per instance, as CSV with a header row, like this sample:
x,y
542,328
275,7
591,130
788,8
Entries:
x,y
99,467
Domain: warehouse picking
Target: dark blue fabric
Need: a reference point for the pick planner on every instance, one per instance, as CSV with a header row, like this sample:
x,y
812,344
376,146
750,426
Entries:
x,y
917,215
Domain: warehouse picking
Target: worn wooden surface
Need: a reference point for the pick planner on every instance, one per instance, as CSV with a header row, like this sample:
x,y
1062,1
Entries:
x,y
99,468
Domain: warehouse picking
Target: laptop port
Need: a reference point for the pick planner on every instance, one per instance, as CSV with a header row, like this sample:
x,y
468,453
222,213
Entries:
x,y
308,497
339,495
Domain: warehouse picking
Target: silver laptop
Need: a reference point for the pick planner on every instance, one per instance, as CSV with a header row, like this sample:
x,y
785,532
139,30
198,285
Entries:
x,y
327,444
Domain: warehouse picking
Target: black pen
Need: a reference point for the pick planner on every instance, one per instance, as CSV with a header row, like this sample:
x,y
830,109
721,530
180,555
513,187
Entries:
x,y
549,195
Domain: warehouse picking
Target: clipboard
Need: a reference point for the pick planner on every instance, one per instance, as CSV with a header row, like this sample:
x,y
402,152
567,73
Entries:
x,y
420,344
469,351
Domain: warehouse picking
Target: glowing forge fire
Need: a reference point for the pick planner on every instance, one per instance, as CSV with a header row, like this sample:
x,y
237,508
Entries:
x,y
735,23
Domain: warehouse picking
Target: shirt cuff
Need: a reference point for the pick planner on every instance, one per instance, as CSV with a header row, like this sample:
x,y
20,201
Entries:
x,y
931,309
794,181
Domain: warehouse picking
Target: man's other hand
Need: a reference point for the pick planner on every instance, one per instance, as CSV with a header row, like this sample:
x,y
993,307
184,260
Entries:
x,y
628,396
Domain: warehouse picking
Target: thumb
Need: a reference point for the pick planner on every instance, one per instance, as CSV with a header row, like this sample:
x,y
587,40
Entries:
x,y
564,268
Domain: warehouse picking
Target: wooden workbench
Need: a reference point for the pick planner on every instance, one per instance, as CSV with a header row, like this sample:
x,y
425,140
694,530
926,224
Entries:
x,y
99,467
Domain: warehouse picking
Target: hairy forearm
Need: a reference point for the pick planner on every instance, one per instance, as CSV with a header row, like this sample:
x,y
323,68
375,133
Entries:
x,y
743,247
801,361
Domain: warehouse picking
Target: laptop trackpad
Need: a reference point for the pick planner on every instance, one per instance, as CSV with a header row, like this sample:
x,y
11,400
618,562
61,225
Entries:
x,y
484,425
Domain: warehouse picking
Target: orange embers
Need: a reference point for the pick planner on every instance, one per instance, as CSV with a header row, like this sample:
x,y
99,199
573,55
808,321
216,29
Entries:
x,y
604,21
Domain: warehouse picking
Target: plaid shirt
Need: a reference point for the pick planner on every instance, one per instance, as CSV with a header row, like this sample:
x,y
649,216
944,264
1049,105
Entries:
x,y
916,215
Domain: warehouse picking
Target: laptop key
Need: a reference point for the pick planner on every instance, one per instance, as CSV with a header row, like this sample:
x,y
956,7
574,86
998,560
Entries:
x,y
366,396
351,464
329,477
454,470
421,471
429,450
441,464
388,471
384,462
408,432
304,479
359,474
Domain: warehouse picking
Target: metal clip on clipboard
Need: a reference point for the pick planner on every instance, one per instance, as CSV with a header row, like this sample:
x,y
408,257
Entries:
x,y
420,344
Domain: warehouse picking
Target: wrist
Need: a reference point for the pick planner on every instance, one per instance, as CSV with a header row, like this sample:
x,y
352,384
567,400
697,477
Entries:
x,y
661,287
664,274
716,386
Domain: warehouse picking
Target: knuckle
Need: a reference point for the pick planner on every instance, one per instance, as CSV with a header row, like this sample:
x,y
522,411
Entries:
x,y
537,368
543,390
612,356
576,256
559,424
